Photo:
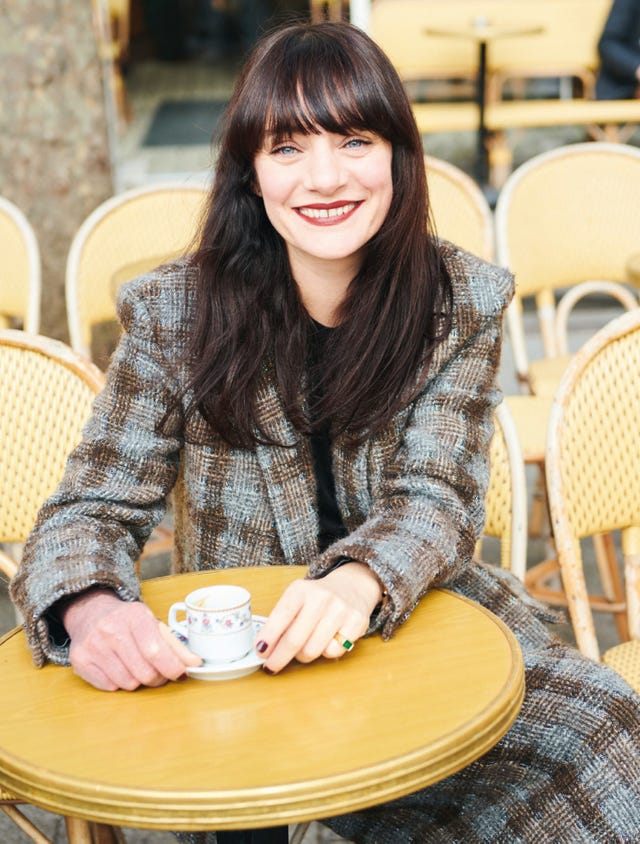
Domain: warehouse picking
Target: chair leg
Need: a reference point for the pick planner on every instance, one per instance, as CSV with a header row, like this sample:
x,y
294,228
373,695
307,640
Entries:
x,y
23,823
612,586
298,833
539,516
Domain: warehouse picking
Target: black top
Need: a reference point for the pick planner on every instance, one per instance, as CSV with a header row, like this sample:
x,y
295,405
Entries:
x,y
331,526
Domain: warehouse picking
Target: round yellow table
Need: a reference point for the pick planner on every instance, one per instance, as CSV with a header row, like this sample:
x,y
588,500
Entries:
x,y
314,741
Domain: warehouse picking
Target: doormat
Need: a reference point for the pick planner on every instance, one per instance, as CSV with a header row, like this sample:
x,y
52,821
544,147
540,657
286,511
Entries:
x,y
178,123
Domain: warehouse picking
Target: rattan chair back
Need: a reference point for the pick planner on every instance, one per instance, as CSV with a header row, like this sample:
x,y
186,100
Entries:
x,y
124,237
46,392
459,210
506,498
565,217
593,469
20,278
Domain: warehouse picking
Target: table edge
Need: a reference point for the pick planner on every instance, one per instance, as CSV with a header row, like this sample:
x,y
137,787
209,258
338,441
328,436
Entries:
x,y
213,809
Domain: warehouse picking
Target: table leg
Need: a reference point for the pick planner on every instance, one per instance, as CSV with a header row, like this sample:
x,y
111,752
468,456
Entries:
x,y
272,835
79,831
481,95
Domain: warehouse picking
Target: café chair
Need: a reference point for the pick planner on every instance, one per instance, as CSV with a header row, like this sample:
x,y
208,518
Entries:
x,y
46,392
566,221
593,478
20,284
113,29
506,498
565,217
459,209
124,237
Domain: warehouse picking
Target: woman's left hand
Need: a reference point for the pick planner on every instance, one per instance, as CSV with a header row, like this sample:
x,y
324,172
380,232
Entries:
x,y
313,615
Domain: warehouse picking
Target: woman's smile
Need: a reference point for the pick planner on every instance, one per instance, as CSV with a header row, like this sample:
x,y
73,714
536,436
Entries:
x,y
328,215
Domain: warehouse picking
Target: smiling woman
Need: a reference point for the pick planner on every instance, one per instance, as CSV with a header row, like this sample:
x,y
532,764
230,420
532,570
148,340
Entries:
x,y
317,384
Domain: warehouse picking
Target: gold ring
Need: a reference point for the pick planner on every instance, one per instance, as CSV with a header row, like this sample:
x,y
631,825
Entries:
x,y
342,640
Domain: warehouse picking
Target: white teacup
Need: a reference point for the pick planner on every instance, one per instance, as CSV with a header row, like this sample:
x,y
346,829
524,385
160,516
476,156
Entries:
x,y
218,626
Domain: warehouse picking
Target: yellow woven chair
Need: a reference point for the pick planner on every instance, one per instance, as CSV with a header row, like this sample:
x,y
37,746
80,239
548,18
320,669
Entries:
x,y
506,499
566,220
566,217
46,392
126,236
459,209
593,476
20,280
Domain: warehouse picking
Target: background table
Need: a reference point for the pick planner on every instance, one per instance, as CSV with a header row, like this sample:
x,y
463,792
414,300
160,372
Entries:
x,y
482,31
316,740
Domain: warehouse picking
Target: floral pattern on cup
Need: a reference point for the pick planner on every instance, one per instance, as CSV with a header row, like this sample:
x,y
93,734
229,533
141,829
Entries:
x,y
209,622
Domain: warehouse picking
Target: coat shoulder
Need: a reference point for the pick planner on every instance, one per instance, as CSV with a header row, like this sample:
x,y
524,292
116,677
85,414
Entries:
x,y
159,306
481,290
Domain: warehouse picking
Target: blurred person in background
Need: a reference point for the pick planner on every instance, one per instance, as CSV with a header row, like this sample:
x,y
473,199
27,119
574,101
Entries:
x,y
619,49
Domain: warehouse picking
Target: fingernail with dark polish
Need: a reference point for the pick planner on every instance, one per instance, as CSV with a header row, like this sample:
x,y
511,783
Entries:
x,y
261,646
267,670
184,676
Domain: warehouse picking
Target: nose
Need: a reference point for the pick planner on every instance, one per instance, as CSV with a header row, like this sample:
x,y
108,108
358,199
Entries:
x,y
325,169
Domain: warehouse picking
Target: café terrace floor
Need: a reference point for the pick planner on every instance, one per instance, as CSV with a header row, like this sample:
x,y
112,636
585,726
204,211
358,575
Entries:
x,y
149,85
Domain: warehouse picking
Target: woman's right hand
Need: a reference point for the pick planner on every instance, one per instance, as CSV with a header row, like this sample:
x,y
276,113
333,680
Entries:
x,y
118,644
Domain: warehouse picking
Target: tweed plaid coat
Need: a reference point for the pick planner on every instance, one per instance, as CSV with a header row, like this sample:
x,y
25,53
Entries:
x,y
411,498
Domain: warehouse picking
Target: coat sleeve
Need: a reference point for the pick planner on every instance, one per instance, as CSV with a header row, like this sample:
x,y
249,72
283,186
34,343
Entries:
x,y
113,493
618,47
423,526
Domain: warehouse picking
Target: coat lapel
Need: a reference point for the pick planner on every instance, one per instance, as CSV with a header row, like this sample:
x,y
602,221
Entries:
x,y
289,477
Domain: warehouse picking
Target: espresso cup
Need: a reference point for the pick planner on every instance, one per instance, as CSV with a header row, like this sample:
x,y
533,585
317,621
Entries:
x,y
218,625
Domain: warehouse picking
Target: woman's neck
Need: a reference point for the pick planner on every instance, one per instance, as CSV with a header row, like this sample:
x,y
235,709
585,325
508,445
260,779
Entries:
x,y
323,286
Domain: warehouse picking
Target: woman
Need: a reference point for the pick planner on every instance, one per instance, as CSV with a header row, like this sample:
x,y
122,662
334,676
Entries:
x,y
317,383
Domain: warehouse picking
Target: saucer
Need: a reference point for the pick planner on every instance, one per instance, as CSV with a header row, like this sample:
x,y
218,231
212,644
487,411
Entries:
x,y
231,670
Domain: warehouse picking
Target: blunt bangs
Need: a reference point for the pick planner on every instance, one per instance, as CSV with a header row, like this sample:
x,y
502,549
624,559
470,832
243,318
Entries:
x,y
306,81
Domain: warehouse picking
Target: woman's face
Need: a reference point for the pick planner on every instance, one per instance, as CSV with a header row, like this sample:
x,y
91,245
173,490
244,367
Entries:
x,y
326,194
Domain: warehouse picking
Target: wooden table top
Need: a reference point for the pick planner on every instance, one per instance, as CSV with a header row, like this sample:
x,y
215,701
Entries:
x,y
316,740
484,31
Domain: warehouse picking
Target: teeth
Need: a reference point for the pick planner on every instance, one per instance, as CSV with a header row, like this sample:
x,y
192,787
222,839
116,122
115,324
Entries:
x,y
326,213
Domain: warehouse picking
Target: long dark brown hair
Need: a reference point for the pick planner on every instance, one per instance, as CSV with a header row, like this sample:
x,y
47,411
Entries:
x,y
303,78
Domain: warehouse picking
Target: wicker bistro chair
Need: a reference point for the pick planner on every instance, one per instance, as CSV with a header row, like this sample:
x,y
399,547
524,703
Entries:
x,y
126,236
566,217
459,209
566,220
506,499
20,281
593,476
46,392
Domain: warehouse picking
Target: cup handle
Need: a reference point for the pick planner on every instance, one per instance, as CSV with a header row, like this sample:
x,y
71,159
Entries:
x,y
179,627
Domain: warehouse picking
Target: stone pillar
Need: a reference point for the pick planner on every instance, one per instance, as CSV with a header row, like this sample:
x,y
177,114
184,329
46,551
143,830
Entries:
x,y
54,150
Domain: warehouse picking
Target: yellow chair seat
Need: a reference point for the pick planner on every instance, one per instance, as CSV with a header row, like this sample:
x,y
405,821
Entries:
x,y
545,374
530,414
625,659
